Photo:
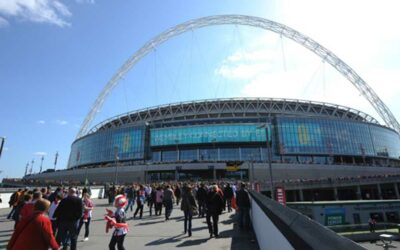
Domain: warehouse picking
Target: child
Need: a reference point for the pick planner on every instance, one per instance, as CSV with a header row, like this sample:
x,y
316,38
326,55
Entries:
x,y
118,221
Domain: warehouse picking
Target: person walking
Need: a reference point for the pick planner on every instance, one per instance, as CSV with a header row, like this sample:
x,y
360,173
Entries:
x,y
118,221
228,192
13,202
52,209
168,201
152,200
159,200
201,196
34,232
27,209
177,193
243,204
371,224
68,213
188,206
130,195
140,199
214,204
23,200
87,215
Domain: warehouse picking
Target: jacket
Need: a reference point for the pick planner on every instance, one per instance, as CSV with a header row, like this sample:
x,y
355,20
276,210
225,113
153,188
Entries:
x,y
214,203
188,203
242,198
33,233
69,209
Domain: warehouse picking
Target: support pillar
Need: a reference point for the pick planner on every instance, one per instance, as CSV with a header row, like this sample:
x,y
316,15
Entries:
x,y
379,191
335,193
214,174
176,175
301,194
359,194
396,190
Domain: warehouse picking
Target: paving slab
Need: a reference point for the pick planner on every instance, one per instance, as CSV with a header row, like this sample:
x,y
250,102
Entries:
x,y
153,232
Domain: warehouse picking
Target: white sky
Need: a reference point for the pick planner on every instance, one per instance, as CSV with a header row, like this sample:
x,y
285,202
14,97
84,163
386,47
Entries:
x,y
364,34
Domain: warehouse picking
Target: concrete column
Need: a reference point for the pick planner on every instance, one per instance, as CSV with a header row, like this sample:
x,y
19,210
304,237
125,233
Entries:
x,y
176,175
214,173
301,195
335,193
379,191
396,190
359,194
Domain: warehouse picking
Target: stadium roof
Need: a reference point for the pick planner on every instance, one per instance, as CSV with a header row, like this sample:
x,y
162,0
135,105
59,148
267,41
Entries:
x,y
232,108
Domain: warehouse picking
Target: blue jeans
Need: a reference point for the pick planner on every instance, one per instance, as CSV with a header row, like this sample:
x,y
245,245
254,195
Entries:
x,y
131,203
10,215
87,224
168,208
188,221
244,217
67,231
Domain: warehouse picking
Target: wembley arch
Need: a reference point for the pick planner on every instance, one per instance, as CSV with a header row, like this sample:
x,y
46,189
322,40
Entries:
x,y
365,90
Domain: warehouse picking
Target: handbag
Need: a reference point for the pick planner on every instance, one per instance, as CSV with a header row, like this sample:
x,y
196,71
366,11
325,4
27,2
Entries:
x,y
195,212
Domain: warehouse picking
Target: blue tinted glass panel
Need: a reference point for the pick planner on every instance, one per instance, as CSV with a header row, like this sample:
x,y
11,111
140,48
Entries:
x,y
207,134
335,137
125,143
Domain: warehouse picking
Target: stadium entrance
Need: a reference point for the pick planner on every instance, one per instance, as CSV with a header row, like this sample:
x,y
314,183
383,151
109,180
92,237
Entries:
x,y
196,175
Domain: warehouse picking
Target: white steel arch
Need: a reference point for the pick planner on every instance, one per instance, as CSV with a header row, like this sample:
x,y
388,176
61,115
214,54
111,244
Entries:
x,y
328,56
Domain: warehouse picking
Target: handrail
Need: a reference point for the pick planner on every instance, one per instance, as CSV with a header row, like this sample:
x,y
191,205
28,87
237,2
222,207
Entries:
x,y
299,230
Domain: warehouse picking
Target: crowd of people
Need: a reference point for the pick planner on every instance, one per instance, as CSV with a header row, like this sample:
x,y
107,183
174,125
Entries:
x,y
49,218
60,214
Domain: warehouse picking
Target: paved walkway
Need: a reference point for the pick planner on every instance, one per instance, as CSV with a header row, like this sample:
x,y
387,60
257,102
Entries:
x,y
154,232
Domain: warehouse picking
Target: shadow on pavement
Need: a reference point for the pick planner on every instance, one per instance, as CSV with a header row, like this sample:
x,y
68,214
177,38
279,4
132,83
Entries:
x,y
150,223
164,241
189,243
199,228
4,231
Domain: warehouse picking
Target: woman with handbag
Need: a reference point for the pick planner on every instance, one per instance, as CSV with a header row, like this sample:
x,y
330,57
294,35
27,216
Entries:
x,y
34,232
189,208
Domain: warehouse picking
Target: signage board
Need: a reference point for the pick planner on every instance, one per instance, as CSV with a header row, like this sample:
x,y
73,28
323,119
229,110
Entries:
x,y
280,195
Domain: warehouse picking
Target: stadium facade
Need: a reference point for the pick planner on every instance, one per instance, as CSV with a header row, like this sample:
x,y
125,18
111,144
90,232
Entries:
x,y
202,139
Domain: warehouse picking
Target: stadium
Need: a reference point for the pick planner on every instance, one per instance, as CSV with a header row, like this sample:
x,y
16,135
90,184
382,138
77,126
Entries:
x,y
203,139
301,145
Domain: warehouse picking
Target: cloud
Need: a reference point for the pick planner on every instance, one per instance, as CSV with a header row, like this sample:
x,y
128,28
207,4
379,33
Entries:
x,y
259,69
85,1
3,22
61,122
40,153
41,122
5,149
40,11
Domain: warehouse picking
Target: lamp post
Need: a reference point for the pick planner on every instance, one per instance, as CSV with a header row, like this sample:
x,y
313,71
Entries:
x,y
177,150
26,169
41,164
30,171
86,169
116,165
252,171
3,139
269,158
214,140
55,161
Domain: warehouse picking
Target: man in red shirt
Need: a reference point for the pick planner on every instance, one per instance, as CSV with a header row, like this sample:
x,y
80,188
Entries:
x,y
34,232
27,209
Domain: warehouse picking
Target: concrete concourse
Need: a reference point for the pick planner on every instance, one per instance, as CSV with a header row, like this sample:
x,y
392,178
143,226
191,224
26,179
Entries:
x,y
154,232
